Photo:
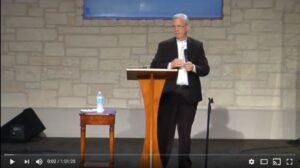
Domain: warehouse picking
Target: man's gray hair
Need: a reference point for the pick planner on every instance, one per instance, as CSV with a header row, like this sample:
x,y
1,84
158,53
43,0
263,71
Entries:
x,y
182,16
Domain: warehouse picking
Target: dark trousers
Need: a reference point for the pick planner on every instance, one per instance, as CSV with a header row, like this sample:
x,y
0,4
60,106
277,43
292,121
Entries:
x,y
176,110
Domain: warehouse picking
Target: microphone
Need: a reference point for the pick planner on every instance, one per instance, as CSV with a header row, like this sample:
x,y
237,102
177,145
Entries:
x,y
186,55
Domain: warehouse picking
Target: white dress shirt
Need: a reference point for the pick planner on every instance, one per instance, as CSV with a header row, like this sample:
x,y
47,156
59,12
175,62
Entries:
x,y
182,78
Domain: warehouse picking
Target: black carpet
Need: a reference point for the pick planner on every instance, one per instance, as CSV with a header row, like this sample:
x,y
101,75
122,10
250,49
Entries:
x,y
65,152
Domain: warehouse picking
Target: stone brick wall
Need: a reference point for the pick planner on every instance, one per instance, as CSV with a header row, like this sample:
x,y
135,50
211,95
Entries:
x,y
52,57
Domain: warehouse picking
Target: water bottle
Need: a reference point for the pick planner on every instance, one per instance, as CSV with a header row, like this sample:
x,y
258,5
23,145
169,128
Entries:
x,y
100,102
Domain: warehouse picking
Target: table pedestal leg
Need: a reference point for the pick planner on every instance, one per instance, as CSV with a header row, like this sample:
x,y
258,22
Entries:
x,y
82,145
111,145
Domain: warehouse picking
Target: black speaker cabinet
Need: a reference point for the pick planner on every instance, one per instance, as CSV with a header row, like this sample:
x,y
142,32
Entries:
x,y
22,128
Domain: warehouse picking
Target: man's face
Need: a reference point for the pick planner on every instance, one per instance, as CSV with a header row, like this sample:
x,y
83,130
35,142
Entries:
x,y
180,28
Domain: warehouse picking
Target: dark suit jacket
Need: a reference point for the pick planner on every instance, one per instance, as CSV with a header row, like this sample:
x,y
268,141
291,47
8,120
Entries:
x,y
167,51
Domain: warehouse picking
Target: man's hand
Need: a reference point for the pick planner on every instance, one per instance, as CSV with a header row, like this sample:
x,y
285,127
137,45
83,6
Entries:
x,y
177,63
189,66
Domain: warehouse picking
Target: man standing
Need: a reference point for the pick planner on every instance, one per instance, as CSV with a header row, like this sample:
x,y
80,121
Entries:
x,y
180,97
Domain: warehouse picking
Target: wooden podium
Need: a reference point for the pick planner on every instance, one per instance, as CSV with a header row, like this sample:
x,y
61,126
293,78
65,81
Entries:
x,y
151,83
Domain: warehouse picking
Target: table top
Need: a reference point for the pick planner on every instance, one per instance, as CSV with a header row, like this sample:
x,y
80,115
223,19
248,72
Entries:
x,y
90,111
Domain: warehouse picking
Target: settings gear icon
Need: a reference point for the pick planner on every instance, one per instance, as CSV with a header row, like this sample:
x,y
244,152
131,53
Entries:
x,y
251,161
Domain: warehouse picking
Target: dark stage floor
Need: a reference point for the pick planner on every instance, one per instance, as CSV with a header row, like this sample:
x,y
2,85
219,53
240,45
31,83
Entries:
x,y
222,153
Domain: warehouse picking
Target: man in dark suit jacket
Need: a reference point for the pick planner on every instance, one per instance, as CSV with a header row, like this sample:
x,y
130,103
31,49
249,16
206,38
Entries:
x,y
180,97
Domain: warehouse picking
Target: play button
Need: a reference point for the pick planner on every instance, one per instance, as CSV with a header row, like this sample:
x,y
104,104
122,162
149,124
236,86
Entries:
x,y
11,161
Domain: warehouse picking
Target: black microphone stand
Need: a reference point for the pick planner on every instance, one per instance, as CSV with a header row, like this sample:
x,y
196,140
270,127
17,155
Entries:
x,y
210,101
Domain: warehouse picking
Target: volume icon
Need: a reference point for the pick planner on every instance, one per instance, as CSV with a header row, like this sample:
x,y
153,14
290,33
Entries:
x,y
39,161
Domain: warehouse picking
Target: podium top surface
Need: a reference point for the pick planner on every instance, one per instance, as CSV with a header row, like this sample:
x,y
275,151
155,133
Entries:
x,y
143,73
